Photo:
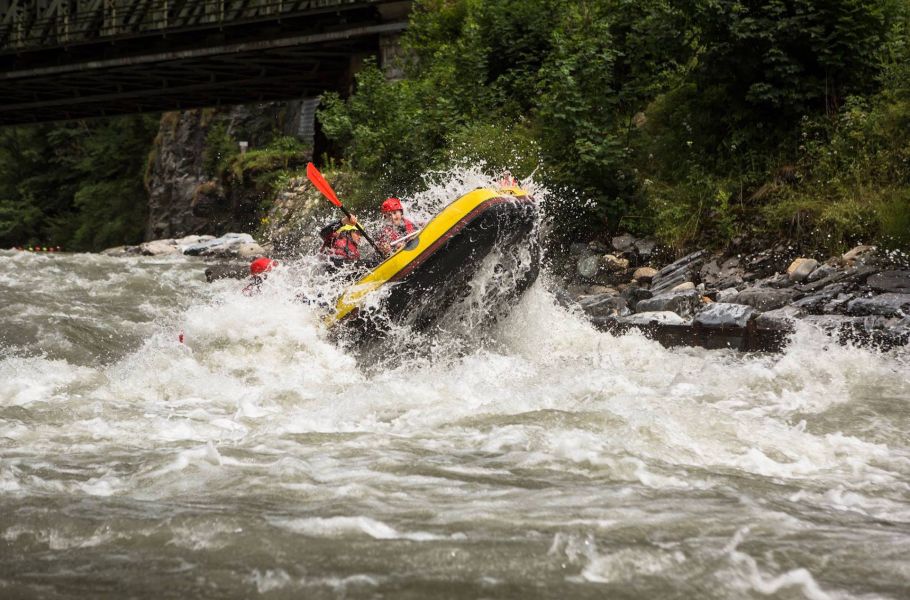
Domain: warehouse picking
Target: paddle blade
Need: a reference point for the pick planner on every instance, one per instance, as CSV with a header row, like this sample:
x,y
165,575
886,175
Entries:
x,y
321,184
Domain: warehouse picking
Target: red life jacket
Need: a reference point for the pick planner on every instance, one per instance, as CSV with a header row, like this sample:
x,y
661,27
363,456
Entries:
x,y
345,247
390,233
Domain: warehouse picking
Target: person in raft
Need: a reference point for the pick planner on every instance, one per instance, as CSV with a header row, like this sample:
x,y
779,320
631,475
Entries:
x,y
341,239
259,272
396,226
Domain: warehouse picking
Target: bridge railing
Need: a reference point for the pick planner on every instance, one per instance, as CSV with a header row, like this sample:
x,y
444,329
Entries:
x,y
35,24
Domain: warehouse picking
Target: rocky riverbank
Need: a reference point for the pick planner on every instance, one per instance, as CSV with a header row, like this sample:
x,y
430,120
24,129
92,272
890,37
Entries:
x,y
748,301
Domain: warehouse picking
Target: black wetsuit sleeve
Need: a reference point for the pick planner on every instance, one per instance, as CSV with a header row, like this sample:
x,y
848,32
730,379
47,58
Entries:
x,y
328,230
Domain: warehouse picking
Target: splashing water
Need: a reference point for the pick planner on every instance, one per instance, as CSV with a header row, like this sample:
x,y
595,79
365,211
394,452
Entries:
x,y
545,460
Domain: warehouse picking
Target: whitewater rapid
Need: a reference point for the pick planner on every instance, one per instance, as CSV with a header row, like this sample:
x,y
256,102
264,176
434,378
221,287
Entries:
x,y
542,459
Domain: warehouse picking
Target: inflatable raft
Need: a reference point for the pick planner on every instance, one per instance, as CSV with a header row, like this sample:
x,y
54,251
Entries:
x,y
481,249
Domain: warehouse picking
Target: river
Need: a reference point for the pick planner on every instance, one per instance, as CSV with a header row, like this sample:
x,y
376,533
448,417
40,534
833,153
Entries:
x,y
546,460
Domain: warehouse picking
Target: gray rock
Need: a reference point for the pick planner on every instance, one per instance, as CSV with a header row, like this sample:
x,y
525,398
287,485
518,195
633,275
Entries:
x,y
159,248
623,243
886,305
765,299
890,281
780,319
664,317
801,268
727,295
822,272
598,247
722,314
588,266
683,303
604,305
645,248
856,275
228,245
816,303
634,294
122,251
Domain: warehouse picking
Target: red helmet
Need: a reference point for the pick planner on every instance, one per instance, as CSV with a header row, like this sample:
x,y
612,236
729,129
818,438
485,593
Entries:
x,y
262,265
391,205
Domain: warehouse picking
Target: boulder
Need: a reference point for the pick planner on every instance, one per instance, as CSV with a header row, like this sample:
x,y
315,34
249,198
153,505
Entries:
x,y
634,294
816,303
598,247
890,281
644,274
159,248
189,240
645,248
602,289
229,245
614,263
623,243
726,295
764,298
683,303
662,317
801,268
588,266
822,272
780,319
121,251
686,285
723,314
887,305
604,305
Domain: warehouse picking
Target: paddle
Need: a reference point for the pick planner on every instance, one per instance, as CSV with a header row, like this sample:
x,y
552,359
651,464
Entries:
x,y
323,186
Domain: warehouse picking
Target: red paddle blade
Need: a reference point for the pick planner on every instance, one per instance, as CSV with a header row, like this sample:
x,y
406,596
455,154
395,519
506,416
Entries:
x,y
321,184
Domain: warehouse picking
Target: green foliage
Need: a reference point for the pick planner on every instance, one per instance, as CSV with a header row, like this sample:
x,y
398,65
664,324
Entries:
x,y
77,185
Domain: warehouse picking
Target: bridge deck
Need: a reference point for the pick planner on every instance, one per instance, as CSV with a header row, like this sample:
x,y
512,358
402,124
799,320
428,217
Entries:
x,y
62,59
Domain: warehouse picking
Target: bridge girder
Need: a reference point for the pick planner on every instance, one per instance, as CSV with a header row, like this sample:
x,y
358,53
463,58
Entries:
x,y
153,55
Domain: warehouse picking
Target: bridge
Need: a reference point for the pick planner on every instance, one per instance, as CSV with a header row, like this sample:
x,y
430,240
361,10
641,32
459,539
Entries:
x,y
67,59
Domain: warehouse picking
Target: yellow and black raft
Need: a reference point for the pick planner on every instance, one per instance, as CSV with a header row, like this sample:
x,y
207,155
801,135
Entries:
x,y
485,231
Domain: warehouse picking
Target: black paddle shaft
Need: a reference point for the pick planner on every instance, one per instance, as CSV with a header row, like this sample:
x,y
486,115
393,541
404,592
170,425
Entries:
x,y
347,213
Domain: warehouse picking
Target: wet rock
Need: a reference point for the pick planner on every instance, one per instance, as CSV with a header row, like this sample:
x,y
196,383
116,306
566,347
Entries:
x,y
664,317
682,270
634,294
189,240
645,248
227,271
683,303
614,263
801,268
598,247
890,281
644,274
765,299
588,266
604,305
822,272
886,305
229,245
623,243
726,295
122,251
853,275
780,319
816,303
722,314
159,248
686,285
859,255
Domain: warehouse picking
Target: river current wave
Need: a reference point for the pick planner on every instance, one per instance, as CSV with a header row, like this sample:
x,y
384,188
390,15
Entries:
x,y
541,459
